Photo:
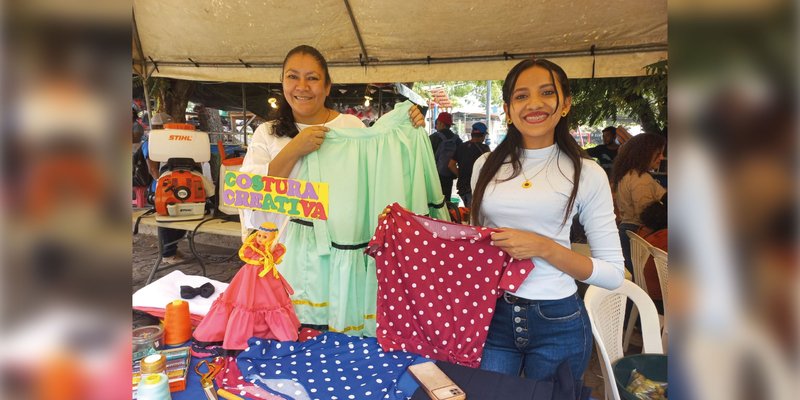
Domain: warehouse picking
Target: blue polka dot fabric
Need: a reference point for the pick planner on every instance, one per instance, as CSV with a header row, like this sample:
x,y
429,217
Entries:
x,y
330,366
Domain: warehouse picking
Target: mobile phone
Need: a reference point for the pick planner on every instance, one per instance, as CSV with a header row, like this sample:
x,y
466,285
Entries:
x,y
436,383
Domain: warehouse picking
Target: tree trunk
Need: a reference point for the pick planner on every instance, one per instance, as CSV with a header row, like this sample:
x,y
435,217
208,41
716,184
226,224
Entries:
x,y
176,97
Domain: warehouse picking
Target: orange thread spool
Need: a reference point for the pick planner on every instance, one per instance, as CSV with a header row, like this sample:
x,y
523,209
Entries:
x,y
177,324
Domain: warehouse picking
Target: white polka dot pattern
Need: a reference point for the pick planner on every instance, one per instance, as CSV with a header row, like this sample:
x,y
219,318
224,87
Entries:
x,y
467,271
332,365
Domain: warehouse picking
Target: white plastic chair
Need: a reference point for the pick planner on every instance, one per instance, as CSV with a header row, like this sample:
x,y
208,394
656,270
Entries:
x,y
660,258
606,309
640,251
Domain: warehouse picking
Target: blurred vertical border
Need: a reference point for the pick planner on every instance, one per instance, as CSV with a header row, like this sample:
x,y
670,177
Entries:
x,y
733,157
65,298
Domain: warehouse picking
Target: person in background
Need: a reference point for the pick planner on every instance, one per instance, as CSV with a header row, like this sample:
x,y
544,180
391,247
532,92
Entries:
x,y
654,231
530,188
464,158
634,188
606,152
137,130
449,141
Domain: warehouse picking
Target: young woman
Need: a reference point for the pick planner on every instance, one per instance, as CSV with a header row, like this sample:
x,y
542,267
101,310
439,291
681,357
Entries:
x,y
634,188
531,187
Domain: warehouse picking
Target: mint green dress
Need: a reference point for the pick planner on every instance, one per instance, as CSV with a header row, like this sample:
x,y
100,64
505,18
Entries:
x,y
367,169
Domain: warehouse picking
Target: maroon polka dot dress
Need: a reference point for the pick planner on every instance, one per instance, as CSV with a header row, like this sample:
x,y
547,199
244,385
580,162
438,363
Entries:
x,y
438,283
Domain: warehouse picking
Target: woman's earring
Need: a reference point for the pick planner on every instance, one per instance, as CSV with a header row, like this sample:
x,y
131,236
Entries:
x,y
508,121
564,114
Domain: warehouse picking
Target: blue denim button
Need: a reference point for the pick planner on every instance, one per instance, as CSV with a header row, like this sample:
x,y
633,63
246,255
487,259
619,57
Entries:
x,y
517,319
519,329
517,308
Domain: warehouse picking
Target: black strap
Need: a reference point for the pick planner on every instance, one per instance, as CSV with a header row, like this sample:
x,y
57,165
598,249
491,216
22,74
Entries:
x,y
138,219
302,222
440,205
349,246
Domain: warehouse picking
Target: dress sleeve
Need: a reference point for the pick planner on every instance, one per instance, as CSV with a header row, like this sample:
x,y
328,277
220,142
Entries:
x,y
278,252
596,214
258,157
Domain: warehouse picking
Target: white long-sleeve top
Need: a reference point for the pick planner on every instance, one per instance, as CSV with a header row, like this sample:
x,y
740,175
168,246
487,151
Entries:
x,y
263,149
540,209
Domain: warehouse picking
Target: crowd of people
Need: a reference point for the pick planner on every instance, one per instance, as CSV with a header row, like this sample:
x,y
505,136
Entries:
x,y
531,189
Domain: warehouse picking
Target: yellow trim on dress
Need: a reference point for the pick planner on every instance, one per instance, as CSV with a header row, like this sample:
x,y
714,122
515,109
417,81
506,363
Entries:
x,y
308,303
347,329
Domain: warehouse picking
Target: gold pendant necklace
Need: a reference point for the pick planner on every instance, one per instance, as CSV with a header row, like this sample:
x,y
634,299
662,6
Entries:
x,y
527,183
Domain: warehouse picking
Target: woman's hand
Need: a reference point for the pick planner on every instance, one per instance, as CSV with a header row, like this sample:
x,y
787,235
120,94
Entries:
x,y
522,245
417,119
308,140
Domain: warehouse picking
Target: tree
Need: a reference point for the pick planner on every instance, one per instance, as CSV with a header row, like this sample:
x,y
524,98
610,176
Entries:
x,y
170,95
643,98
458,90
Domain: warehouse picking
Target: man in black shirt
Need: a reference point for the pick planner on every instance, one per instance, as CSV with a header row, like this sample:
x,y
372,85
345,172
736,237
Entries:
x,y
464,158
449,141
606,152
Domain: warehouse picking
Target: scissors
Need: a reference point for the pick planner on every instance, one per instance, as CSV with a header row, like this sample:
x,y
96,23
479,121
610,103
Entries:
x,y
207,378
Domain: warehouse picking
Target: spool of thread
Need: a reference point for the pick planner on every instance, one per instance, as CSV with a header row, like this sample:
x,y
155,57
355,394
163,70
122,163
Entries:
x,y
228,395
153,364
177,323
153,387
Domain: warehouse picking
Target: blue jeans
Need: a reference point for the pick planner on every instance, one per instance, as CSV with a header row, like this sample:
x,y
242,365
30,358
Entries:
x,y
536,336
625,242
467,199
169,240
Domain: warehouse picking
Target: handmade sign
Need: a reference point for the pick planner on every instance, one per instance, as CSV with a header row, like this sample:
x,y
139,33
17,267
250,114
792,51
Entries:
x,y
291,197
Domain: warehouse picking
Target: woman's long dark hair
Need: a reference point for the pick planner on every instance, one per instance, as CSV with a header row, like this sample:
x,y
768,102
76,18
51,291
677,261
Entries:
x,y
510,150
636,155
284,124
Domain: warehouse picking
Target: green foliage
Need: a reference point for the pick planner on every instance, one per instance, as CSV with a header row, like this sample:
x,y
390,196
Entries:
x,y
457,90
156,87
643,98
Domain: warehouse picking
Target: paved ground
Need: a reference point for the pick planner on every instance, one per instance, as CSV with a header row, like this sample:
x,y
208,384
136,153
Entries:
x,y
145,252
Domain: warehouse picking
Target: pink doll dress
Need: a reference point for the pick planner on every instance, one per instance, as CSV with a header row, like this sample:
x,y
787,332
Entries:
x,y
251,306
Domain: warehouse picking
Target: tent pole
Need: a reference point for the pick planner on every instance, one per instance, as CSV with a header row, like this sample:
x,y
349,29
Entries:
x,y
437,60
143,73
244,114
380,102
489,107
358,32
147,100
